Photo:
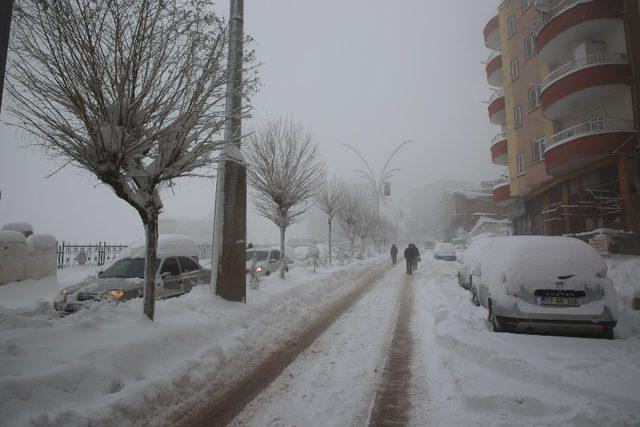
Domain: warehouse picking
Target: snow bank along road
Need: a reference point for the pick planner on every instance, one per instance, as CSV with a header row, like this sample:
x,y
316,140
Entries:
x,y
415,351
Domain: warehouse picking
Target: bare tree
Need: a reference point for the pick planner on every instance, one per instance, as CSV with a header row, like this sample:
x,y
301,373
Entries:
x,y
284,172
350,208
365,224
328,201
131,91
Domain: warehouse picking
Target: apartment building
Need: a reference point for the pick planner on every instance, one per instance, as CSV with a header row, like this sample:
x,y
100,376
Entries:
x,y
565,81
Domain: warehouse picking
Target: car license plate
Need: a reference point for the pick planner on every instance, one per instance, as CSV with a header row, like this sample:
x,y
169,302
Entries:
x,y
560,301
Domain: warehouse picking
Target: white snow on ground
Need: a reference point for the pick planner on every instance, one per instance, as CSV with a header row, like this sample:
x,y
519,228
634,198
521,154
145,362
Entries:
x,y
109,366
332,383
473,376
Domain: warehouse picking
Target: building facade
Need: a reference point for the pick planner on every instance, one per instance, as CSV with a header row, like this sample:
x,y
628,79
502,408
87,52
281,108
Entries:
x,y
566,82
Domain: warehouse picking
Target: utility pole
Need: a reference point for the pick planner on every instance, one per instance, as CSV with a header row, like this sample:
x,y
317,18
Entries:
x,y
6,8
228,278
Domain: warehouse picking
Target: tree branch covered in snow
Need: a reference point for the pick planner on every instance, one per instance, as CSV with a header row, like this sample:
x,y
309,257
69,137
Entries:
x,y
349,214
132,91
284,172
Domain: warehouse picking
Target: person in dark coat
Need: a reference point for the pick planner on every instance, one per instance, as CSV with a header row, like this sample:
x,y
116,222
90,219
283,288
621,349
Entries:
x,y
394,253
410,254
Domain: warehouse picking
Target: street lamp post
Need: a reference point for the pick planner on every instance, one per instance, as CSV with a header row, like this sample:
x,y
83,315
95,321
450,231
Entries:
x,y
228,278
377,181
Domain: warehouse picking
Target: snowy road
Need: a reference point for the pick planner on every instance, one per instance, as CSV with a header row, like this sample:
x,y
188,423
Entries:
x,y
454,372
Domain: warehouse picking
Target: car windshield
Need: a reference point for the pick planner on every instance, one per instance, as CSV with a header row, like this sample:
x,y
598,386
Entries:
x,y
260,255
127,268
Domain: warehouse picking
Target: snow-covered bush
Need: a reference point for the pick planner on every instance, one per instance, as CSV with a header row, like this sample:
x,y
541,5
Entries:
x,y
13,257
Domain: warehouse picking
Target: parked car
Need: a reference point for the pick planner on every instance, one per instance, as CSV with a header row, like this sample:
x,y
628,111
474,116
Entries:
x,y
545,284
177,273
444,252
470,260
267,260
428,242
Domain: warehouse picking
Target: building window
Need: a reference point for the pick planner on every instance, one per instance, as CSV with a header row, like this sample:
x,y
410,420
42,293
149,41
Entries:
x,y
530,46
517,116
511,27
537,149
515,69
534,97
526,4
521,164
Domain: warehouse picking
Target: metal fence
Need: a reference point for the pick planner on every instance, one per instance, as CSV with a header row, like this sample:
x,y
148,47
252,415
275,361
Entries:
x,y
101,253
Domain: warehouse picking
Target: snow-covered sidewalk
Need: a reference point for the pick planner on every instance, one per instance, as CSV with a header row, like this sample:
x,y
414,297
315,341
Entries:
x,y
475,376
110,366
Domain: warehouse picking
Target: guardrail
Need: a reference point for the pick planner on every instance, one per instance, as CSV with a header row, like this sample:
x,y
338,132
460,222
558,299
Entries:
x,y
557,8
582,63
101,253
496,95
498,137
494,55
588,128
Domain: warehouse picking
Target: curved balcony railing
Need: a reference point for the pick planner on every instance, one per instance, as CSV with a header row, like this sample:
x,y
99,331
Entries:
x,y
496,94
494,55
557,7
501,182
499,137
589,128
582,63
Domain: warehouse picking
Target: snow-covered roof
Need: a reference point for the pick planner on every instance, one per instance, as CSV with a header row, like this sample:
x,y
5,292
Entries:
x,y
21,227
42,241
486,220
168,244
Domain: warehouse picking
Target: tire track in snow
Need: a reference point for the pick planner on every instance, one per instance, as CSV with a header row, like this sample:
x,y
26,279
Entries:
x,y
392,402
222,409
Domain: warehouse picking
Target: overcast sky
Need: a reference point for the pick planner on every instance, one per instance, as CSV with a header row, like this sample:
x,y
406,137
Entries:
x,y
369,73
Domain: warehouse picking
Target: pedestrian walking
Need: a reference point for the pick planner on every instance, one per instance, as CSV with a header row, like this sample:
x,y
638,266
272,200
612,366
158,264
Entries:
x,y
410,254
394,254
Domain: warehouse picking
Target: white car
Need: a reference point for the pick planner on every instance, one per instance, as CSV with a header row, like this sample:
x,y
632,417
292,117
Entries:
x,y
545,284
444,252
266,261
470,261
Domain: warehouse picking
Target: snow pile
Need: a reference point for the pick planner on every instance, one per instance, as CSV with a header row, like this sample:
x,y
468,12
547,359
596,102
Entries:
x,y
109,366
13,257
42,250
475,376
23,228
625,272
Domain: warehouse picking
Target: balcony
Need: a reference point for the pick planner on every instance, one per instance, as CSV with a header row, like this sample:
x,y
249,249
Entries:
x,y
499,149
497,114
494,69
585,143
584,83
502,192
568,22
492,33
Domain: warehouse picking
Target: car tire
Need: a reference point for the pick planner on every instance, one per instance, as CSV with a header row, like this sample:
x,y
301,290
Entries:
x,y
608,335
494,320
268,273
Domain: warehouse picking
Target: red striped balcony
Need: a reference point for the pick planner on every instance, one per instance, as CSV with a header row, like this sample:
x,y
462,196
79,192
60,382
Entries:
x,y
580,85
499,149
494,69
492,33
580,145
496,108
571,20
502,192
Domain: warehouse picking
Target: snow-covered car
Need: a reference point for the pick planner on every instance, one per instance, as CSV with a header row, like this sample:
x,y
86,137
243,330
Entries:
x,y
429,242
267,260
177,272
546,284
470,260
444,252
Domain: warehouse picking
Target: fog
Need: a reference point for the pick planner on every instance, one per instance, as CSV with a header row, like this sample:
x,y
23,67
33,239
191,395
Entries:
x,y
369,73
